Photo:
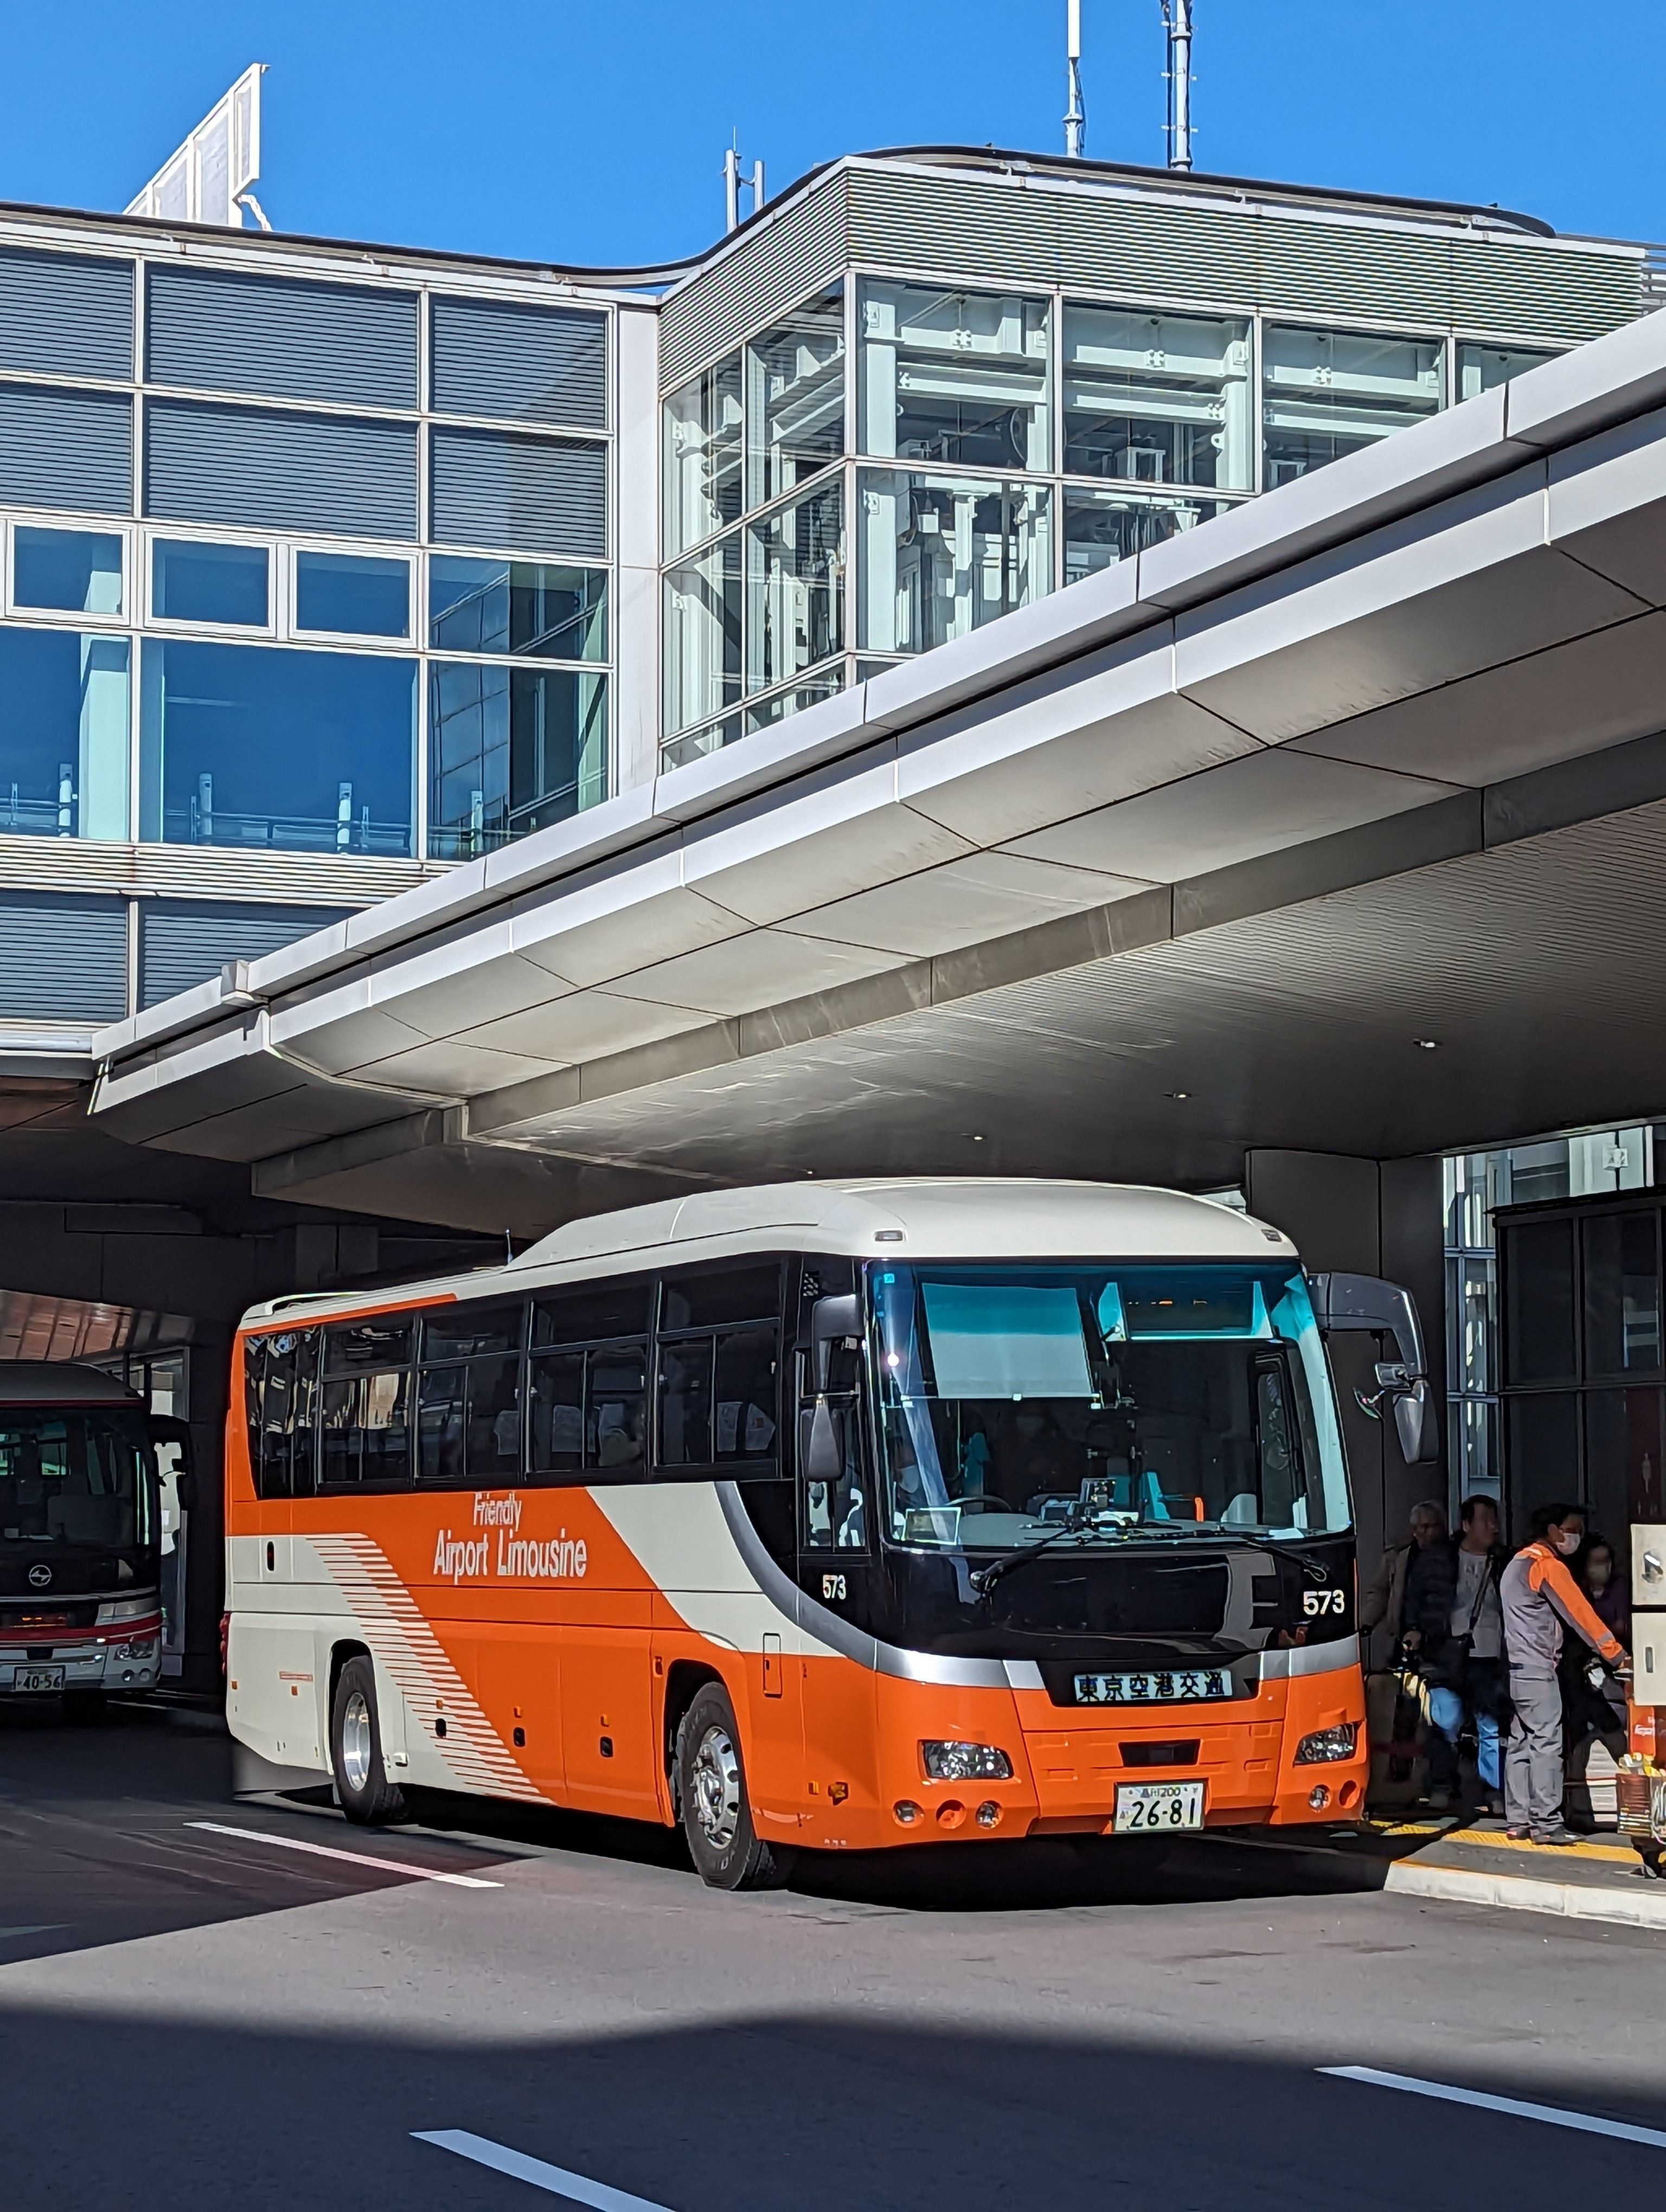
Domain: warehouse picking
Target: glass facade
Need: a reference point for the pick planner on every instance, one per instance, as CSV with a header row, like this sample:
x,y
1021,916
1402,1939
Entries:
x,y
989,445
263,747
64,750
1495,1442
511,750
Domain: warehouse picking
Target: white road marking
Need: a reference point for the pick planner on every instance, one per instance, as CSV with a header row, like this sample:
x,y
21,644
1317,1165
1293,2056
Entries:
x,y
555,2179
1586,2122
40,1927
353,1858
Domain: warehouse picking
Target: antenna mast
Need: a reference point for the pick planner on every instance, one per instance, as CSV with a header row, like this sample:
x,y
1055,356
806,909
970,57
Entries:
x,y
1075,120
1178,19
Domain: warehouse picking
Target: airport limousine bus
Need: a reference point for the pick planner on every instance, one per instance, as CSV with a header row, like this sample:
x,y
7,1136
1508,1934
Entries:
x,y
823,1516
81,1613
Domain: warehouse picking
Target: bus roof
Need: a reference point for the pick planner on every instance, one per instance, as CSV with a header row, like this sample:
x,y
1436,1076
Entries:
x,y
943,1217
60,1382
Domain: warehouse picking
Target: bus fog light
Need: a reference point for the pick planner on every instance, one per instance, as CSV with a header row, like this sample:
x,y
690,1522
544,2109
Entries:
x,y
966,1762
989,1814
1319,1798
905,1811
950,1814
1327,1744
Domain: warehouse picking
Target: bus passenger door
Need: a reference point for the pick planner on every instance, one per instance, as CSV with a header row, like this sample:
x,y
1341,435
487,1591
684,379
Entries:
x,y
835,1567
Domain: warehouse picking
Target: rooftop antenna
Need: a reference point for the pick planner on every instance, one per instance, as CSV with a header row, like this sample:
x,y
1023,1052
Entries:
x,y
731,186
1177,20
1075,116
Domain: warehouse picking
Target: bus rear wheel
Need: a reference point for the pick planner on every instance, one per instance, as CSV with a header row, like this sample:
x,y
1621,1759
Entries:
x,y
728,1851
356,1749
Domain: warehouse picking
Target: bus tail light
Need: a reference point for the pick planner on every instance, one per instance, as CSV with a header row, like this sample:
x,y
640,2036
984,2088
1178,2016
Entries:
x,y
126,1608
966,1762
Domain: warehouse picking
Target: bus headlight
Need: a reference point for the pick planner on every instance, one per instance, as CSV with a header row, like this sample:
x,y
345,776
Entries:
x,y
966,1762
1325,1745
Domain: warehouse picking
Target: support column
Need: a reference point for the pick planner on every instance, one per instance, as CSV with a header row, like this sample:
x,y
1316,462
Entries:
x,y
1368,1217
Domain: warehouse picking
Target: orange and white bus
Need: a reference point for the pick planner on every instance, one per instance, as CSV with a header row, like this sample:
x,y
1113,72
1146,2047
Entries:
x,y
822,1516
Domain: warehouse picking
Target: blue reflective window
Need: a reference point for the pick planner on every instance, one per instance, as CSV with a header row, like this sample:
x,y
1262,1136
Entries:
x,y
62,734
262,746
79,570
538,610
209,583
510,751
352,593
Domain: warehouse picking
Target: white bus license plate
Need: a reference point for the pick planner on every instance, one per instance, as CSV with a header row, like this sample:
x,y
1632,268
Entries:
x,y
1149,1808
38,1677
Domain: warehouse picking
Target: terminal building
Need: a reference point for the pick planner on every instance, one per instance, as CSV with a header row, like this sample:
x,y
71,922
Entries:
x,y
486,741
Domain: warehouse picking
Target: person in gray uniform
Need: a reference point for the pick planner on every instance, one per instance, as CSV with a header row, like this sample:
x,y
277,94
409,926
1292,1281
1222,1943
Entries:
x,y
1539,1597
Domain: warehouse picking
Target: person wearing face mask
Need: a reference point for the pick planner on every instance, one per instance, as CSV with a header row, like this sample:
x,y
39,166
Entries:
x,y
1591,1714
1539,1597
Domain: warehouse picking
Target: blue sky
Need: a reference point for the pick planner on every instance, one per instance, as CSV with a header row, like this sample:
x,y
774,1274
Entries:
x,y
595,134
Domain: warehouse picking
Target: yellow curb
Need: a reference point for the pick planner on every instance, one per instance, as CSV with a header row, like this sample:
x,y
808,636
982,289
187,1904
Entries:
x,y
1496,1840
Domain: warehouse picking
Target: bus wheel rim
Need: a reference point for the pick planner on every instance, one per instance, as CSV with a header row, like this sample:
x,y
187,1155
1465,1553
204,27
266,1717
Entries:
x,y
355,1742
716,1788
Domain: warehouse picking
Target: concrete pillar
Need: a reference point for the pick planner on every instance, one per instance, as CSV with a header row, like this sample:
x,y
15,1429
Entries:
x,y
1369,1218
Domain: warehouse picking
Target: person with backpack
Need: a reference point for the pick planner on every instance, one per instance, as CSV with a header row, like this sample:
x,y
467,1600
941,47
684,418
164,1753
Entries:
x,y
1539,1598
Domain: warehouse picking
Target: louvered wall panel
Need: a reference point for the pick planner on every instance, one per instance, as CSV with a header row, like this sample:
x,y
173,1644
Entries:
x,y
1528,289
1380,276
784,261
85,979
206,872
518,495
213,331
64,448
526,363
264,469
1131,245
66,314
184,942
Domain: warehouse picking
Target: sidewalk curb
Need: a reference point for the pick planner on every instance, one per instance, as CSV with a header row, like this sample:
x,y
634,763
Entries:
x,y
1521,1893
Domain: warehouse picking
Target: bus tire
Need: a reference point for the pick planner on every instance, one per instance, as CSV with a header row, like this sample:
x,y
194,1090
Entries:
x,y
728,1851
356,1749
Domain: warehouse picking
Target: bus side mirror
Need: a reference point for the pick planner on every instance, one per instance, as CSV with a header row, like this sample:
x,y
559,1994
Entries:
x,y
824,1457
165,1429
1365,1304
831,1321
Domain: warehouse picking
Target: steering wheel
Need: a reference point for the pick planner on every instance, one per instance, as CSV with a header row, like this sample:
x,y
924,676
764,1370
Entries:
x,y
979,1502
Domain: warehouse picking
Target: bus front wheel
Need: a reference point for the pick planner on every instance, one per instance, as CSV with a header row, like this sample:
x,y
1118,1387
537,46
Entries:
x,y
728,1851
356,1749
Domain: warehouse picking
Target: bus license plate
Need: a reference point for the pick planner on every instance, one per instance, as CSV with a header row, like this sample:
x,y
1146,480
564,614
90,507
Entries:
x,y
1148,1807
38,1677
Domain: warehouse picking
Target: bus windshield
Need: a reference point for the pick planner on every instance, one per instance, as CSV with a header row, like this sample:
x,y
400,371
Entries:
x,y
76,1477
1018,1405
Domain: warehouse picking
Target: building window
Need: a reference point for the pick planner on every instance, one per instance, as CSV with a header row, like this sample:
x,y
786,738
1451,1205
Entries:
x,y
63,745
511,750
703,636
795,563
702,455
1104,527
353,595
535,609
795,398
1162,399
78,571
1329,393
266,747
191,582
955,377
942,555
1480,368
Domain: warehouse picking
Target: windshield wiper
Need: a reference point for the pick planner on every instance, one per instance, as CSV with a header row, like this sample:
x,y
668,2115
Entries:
x,y
1183,1532
986,1577
984,1581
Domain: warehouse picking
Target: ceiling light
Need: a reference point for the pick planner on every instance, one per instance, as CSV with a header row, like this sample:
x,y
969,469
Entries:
x,y
1179,1094
1426,1044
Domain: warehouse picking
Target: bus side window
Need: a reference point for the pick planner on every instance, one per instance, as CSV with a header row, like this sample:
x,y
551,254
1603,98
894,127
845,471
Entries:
x,y
364,1425
719,1388
469,1395
254,1383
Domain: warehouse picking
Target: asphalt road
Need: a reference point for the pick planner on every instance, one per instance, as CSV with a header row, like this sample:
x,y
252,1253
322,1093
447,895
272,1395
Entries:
x,y
198,2018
